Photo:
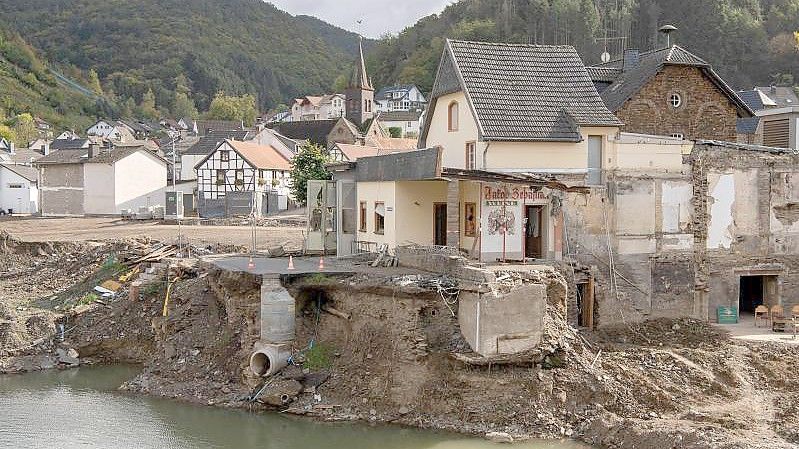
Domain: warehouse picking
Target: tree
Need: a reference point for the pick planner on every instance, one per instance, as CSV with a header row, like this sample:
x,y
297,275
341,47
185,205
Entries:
x,y
94,82
7,133
184,106
395,131
147,106
226,107
308,164
128,108
25,129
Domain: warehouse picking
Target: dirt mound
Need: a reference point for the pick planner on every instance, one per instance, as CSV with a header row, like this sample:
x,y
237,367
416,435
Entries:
x,y
682,332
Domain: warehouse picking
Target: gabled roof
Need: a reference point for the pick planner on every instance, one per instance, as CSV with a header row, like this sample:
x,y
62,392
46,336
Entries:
x,y
404,88
780,95
210,141
399,116
104,156
521,92
65,144
20,156
314,131
756,100
261,157
26,171
353,152
747,125
624,81
204,126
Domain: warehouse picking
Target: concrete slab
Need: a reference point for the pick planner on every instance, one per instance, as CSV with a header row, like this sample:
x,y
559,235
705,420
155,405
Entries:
x,y
746,330
276,265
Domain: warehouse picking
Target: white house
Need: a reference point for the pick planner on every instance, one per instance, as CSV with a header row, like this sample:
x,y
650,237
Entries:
x,y
242,167
19,189
408,122
318,107
203,147
92,181
405,97
111,130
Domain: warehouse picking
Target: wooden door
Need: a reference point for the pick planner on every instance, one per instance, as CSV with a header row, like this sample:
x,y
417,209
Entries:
x,y
533,232
440,224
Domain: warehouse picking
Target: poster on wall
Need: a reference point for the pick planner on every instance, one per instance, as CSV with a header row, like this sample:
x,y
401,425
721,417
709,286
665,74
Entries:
x,y
503,221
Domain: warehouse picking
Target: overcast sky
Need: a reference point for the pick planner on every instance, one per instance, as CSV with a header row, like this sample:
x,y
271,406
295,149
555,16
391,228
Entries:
x,y
377,16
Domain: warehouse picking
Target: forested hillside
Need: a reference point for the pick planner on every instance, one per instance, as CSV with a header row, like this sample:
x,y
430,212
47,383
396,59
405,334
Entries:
x,y
748,41
195,46
29,88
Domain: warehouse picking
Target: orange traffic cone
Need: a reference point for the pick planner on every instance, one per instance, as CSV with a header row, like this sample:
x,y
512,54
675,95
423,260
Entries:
x,y
250,264
291,262
321,264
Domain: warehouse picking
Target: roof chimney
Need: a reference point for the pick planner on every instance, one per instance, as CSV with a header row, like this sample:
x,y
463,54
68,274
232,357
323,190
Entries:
x,y
632,57
46,148
12,149
94,150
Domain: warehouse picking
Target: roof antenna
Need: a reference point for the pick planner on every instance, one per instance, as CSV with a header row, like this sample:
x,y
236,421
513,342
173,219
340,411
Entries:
x,y
667,29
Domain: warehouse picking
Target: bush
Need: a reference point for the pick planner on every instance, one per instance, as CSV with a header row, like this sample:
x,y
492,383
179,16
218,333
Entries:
x,y
395,132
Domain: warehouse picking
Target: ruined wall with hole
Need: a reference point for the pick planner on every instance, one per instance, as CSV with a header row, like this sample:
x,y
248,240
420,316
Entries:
x,y
746,222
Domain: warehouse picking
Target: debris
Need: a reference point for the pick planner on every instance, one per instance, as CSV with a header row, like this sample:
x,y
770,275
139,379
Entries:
x,y
336,312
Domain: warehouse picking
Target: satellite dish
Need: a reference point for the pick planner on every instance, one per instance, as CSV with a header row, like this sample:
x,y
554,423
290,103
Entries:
x,y
605,56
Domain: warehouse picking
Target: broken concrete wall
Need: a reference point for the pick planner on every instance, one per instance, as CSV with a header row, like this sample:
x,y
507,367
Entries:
x,y
747,223
504,323
441,260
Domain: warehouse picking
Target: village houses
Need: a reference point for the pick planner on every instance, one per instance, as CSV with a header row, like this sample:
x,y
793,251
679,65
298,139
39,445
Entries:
x,y
322,107
403,97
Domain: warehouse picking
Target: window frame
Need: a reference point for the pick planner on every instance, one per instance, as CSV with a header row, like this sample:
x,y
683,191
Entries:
x,y
224,155
362,209
223,173
381,219
675,100
471,155
453,111
470,231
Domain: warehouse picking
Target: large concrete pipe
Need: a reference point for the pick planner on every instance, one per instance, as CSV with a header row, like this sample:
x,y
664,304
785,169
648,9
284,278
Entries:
x,y
278,309
268,359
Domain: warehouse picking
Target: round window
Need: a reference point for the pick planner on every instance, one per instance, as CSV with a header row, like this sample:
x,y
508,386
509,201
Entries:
x,y
675,100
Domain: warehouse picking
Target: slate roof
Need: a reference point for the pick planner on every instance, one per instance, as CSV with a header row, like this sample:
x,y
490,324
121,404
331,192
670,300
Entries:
x,y
399,116
204,126
755,99
782,96
26,171
747,125
63,144
629,80
81,156
210,141
20,156
528,92
314,131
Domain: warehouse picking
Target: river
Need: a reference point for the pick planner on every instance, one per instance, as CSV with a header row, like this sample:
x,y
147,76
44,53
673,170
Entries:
x,y
81,408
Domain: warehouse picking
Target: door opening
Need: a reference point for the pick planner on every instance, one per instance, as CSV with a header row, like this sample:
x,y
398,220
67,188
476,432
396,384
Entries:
x,y
440,224
750,293
533,241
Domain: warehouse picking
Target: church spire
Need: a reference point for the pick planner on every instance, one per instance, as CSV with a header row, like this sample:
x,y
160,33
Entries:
x,y
359,78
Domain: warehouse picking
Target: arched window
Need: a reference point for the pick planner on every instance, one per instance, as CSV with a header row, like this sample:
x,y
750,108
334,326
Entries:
x,y
452,116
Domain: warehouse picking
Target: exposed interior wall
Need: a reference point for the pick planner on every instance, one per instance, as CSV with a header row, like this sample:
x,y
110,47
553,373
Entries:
x,y
139,180
650,153
61,189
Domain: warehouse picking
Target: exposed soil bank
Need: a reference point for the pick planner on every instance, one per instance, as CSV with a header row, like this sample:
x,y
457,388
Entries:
x,y
662,384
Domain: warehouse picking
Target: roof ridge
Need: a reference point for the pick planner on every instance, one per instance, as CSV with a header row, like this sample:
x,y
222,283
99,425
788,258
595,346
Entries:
x,y
510,44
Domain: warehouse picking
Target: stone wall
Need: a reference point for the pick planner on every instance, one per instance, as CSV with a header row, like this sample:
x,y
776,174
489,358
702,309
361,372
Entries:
x,y
705,113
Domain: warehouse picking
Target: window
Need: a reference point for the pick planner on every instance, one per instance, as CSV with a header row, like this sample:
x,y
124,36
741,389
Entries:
x,y
224,155
470,225
15,186
362,224
677,135
380,218
675,100
220,177
452,116
471,156
239,177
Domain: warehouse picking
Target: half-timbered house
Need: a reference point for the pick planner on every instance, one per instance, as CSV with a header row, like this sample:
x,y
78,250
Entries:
x,y
242,167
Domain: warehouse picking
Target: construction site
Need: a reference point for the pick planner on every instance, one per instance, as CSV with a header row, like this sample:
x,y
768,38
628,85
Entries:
x,y
422,337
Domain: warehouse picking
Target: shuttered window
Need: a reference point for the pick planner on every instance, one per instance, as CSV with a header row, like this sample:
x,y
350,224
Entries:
x,y
776,133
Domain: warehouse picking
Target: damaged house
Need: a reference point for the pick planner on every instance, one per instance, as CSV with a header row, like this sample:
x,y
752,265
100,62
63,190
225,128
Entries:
x,y
640,224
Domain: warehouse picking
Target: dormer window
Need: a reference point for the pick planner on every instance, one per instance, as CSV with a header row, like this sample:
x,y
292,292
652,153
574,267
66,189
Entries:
x,y
452,116
675,100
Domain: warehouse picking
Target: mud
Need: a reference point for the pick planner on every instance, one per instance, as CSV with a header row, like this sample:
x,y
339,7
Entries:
x,y
661,384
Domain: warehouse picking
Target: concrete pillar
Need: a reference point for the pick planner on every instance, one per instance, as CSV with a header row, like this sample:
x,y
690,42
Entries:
x,y
454,214
278,309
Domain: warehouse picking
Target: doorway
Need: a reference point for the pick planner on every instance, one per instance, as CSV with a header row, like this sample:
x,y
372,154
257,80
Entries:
x,y
750,293
585,304
440,224
533,242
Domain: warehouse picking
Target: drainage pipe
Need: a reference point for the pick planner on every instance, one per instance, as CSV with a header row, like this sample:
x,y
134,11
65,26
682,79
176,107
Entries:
x,y
268,359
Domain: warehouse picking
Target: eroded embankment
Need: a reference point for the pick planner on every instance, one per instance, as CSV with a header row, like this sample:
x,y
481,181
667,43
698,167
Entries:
x,y
663,384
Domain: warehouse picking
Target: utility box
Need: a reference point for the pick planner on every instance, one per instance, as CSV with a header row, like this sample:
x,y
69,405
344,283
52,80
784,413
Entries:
x,y
174,205
727,315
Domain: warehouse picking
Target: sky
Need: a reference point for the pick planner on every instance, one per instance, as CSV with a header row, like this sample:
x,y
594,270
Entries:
x,y
377,16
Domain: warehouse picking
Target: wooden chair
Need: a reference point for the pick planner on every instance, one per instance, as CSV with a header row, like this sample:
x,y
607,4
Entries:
x,y
761,313
777,312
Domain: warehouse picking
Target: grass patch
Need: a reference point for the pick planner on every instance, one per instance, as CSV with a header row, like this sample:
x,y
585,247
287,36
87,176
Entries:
x,y
88,298
318,357
155,289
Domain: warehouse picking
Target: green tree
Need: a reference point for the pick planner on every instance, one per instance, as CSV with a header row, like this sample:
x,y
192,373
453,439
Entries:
x,y
184,106
226,107
128,108
147,106
395,131
7,133
25,129
94,82
308,164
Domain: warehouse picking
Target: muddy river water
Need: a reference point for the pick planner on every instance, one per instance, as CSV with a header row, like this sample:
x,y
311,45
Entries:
x,y
81,408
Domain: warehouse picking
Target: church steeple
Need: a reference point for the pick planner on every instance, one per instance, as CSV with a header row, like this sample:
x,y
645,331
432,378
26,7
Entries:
x,y
360,93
